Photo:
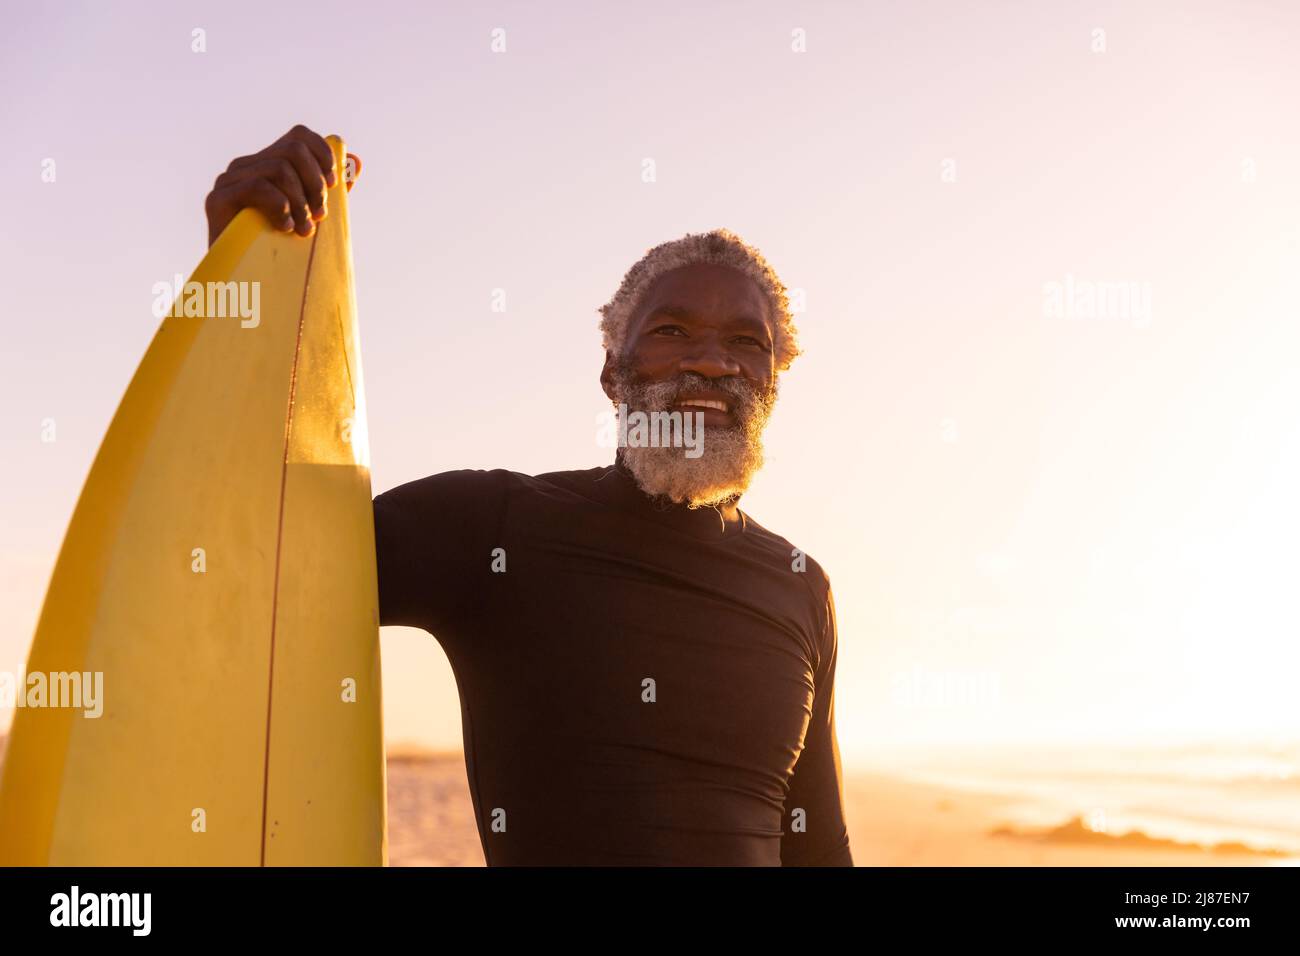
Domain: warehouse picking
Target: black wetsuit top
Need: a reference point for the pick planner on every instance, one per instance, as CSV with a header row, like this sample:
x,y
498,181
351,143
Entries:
x,y
638,685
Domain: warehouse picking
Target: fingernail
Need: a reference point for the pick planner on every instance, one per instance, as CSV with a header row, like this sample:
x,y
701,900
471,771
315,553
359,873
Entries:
x,y
286,222
330,177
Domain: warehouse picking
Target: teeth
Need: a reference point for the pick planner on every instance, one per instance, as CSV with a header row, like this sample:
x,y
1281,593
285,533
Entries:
x,y
704,403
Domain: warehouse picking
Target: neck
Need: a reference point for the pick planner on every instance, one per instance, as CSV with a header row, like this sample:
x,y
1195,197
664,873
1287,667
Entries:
x,y
728,512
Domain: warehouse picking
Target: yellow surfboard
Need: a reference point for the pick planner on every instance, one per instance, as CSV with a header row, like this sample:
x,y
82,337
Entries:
x,y
218,578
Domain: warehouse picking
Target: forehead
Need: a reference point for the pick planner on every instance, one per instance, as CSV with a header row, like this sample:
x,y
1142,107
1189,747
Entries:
x,y
707,290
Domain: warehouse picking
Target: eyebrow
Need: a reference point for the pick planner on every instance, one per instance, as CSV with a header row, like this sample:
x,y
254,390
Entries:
x,y
681,312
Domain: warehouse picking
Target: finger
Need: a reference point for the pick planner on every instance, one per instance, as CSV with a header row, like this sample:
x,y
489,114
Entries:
x,y
256,193
282,174
240,162
318,147
309,175
284,177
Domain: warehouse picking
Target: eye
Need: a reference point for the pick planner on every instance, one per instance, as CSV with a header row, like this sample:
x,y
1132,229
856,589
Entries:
x,y
668,329
750,340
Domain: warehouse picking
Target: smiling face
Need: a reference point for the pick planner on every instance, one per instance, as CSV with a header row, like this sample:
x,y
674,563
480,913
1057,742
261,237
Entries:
x,y
700,342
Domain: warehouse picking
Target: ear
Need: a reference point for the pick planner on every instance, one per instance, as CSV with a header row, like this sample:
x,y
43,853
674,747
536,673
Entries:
x,y
606,378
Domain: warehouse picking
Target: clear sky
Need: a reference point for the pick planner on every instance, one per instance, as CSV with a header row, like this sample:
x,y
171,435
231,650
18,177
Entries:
x,y
1047,515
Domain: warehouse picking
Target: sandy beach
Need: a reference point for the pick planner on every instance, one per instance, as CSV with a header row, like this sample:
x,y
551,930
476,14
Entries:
x,y
896,822
892,822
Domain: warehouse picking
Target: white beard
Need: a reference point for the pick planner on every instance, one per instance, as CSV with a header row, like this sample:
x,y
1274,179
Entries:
x,y
731,456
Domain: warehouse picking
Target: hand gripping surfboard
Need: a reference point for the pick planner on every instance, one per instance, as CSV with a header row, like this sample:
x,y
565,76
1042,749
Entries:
x,y
219,575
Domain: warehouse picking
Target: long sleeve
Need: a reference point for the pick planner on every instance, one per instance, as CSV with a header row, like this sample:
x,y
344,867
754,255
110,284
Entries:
x,y
433,542
815,786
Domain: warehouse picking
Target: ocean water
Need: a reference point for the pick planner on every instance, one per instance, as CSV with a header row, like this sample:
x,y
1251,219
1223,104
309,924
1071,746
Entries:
x,y
1199,794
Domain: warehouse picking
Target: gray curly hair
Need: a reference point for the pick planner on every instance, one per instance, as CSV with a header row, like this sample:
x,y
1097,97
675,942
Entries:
x,y
721,247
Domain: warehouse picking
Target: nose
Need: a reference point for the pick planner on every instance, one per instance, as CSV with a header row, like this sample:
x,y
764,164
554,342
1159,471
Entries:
x,y
710,360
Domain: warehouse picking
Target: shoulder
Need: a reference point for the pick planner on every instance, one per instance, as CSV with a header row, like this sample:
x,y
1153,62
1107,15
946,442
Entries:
x,y
579,480
462,486
776,548
794,557
468,487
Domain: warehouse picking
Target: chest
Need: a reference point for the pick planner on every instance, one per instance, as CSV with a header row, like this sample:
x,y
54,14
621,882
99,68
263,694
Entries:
x,y
660,640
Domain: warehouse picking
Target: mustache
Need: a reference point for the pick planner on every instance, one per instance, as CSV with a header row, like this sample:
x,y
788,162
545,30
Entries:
x,y
750,400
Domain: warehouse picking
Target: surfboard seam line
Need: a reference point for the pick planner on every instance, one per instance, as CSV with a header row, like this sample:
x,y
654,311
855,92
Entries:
x,y
279,536
347,359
